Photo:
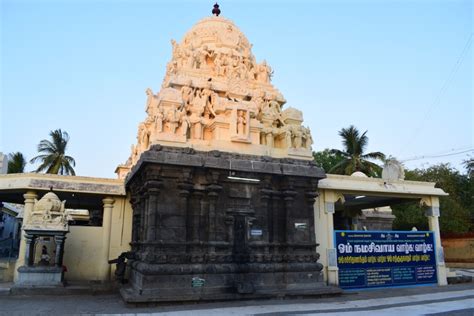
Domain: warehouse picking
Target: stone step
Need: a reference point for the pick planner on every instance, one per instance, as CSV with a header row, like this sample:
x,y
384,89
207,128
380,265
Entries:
x,y
5,288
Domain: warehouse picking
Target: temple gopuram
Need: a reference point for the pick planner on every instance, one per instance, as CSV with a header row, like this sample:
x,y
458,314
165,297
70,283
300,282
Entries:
x,y
216,96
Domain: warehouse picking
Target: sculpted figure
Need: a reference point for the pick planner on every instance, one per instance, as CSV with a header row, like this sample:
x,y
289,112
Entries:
x,y
184,122
242,72
143,137
235,67
253,72
219,68
189,57
264,72
175,49
173,120
241,122
297,136
134,155
202,57
159,120
308,140
172,67
209,97
266,136
197,110
187,93
288,135
151,101
271,112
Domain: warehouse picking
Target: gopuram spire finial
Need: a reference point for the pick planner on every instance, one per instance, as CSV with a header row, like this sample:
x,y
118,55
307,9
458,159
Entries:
x,y
216,11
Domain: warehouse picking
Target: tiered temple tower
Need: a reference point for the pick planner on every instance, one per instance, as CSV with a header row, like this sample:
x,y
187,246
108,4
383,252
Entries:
x,y
221,180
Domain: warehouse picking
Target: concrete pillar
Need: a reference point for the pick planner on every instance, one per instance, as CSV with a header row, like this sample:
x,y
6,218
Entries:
x,y
324,224
106,231
433,213
29,197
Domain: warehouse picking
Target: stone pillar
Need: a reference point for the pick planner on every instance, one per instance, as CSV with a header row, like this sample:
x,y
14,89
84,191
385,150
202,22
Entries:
x,y
29,197
324,224
106,230
59,250
30,249
311,198
433,213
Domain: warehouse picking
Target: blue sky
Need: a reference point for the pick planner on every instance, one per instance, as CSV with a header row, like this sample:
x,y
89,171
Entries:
x,y
400,69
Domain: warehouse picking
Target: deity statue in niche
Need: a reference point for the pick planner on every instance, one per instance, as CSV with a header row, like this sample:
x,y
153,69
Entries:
x,y
241,123
45,258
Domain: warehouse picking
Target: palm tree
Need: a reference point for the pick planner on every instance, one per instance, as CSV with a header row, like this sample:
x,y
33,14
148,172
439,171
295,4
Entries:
x,y
16,163
353,155
53,155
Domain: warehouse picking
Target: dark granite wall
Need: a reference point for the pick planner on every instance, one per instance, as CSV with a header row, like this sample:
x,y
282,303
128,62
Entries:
x,y
242,237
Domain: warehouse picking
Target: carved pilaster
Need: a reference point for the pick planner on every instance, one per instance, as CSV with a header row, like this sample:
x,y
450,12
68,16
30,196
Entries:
x,y
265,196
153,190
289,196
276,203
310,199
142,214
185,190
197,211
213,194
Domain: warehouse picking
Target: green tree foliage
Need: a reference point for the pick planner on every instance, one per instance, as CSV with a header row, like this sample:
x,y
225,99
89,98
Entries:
x,y
16,163
327,159
354,158
457,209
53,156
469,164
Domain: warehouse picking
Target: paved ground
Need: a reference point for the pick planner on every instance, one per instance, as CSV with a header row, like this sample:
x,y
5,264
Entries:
x,y
427,300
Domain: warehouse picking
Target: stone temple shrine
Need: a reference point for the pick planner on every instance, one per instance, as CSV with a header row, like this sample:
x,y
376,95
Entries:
x,y
222,180
219,198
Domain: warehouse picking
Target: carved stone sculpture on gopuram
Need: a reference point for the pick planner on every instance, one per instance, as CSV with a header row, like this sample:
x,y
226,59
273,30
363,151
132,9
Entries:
x,y
215,96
